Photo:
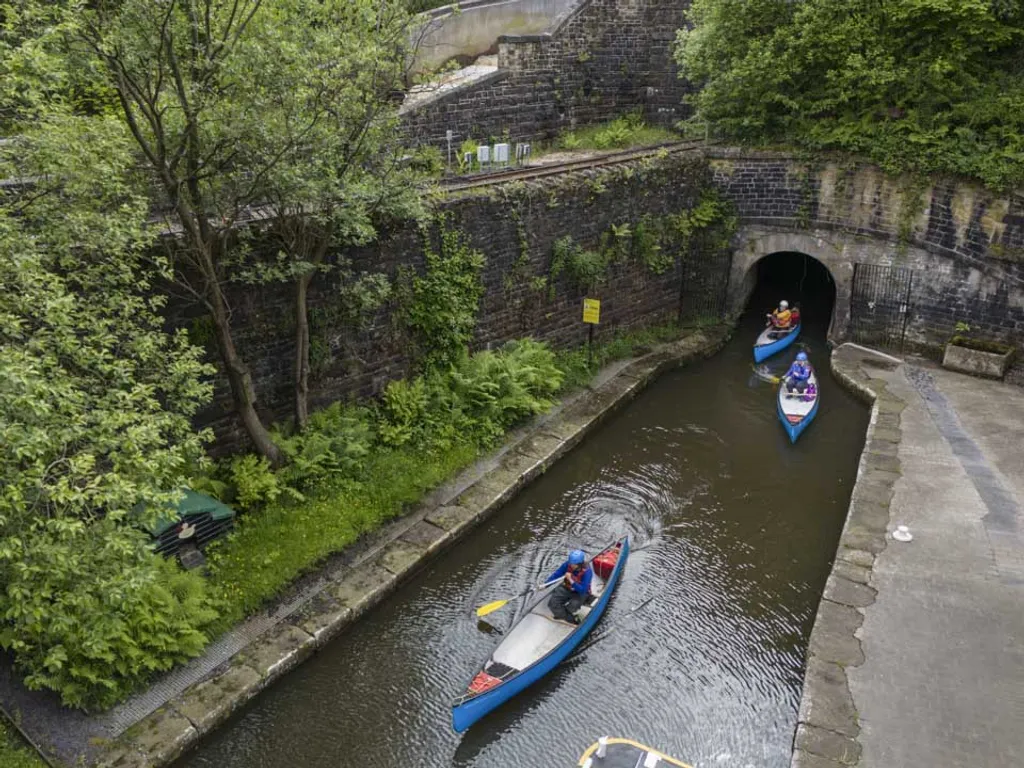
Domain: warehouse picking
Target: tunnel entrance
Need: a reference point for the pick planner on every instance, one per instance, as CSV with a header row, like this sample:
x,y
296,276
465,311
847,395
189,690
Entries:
x,y
801,280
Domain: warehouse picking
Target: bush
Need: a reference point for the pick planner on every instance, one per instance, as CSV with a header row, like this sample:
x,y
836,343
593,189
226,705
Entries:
x,y
254,482
498,389
91,613
336,441
402,411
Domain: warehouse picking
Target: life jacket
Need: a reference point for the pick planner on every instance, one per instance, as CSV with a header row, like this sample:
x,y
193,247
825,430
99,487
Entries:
x,y
577,577
781,319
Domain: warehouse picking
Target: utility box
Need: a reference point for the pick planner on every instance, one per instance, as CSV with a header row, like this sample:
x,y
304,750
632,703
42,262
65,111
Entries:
x,y
483,155
501,154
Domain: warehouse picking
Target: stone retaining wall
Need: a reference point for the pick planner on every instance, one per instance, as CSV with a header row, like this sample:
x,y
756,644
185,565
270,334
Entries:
x,y
602,60
515,226
827,724
395,555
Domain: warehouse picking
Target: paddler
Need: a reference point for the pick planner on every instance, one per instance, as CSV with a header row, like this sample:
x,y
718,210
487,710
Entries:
x,y
781,319
799,373
568,596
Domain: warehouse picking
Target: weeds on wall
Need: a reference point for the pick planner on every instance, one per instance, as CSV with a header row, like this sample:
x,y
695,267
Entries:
x,y
622,133
654,241
439,308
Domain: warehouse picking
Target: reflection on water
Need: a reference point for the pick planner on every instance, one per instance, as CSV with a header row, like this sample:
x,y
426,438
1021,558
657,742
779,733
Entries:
x,y
739,527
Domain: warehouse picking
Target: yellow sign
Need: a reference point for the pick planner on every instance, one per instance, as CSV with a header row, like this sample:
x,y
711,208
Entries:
x,y
592,311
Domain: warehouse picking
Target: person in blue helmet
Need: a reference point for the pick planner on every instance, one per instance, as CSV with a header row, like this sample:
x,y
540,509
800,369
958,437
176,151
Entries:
x,y
798,375
568,596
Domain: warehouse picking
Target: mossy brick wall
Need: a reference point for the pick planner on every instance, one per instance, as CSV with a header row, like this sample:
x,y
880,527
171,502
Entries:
x,y
515,226
964,243
608,58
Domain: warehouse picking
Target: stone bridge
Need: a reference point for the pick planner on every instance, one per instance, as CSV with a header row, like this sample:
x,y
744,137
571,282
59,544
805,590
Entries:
x,y
908,256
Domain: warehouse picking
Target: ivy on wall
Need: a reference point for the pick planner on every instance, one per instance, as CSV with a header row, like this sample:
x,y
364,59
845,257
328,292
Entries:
x,y
440,307
654,241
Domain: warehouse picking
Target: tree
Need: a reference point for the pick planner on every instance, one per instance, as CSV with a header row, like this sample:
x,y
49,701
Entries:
x,y
924,85
251,109
349,169
96,401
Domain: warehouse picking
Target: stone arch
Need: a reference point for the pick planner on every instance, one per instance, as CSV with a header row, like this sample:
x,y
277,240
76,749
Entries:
x,y
755,244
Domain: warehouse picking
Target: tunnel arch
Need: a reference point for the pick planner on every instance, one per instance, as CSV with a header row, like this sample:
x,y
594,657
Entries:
x,y
754,248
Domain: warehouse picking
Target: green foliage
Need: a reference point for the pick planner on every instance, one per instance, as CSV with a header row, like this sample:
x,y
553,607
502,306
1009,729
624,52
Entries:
x,y
915,85
707,226
290,537
336,441
442,308
498,389
585,269
254,482
468,147
622,133
647,247
403,409
91,614
14,753
427,161
421,432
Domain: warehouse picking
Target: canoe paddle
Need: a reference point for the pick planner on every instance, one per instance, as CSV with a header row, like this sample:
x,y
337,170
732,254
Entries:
x,y
491,607
763,374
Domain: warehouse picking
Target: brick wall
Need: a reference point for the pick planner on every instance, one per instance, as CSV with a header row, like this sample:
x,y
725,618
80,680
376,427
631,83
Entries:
x,y
607,58
515,226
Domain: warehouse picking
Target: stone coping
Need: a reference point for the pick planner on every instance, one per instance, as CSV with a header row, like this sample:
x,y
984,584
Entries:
x,y
164,735
828,724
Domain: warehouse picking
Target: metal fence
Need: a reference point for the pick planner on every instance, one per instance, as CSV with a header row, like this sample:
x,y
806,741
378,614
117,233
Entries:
x,y
880,305
705,282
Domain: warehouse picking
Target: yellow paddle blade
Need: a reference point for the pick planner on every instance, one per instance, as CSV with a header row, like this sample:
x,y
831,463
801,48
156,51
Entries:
x,y
483,610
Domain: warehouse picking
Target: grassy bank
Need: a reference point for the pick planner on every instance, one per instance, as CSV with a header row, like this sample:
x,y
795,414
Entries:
x,y
14,752
628,132
280,543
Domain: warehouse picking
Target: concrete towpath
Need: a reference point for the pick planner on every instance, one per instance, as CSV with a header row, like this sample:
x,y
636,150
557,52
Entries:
x,y
917,655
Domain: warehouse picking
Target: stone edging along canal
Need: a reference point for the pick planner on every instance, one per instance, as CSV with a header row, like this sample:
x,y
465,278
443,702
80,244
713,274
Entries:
x,y
406,545
827,725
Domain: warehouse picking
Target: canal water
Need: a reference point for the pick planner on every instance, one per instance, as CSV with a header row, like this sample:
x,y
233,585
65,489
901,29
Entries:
x,y
736,528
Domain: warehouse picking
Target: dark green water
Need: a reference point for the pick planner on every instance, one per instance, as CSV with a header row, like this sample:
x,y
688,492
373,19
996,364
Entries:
x,y
741,527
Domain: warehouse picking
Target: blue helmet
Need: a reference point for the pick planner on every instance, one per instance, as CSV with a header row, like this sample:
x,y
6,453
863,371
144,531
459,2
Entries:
x,y
576,557
801,356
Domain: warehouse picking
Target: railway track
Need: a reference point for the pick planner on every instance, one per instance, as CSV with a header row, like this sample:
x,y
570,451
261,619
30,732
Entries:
x,y
528,173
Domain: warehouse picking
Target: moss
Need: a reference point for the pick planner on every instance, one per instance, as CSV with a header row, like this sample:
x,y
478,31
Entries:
x,y
980,345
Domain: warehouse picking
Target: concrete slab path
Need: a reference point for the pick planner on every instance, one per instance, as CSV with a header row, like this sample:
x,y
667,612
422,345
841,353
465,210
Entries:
x,y
942,681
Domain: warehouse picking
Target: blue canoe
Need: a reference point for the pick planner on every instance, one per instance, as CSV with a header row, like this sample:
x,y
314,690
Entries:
x,y
537,643
766,346
797,411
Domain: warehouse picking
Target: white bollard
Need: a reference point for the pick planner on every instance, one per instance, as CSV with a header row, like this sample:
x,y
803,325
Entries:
x,y
602,746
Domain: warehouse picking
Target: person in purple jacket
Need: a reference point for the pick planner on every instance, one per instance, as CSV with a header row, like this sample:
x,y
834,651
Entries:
x,y
568,596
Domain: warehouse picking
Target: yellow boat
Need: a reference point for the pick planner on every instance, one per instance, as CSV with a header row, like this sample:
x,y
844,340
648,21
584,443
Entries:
x,y
609,752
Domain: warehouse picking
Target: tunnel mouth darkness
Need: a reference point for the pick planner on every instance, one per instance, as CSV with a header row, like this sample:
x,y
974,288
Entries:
x,y
801,280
